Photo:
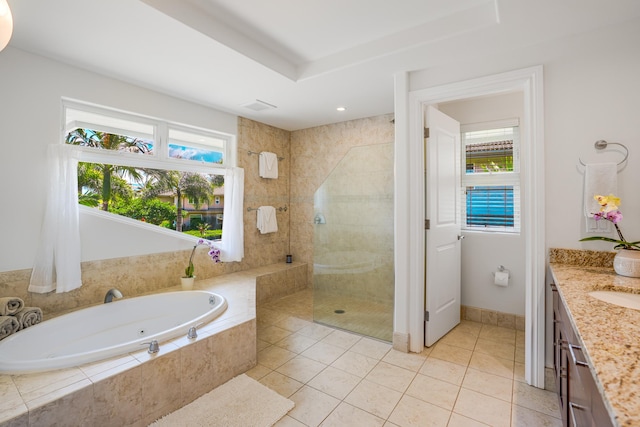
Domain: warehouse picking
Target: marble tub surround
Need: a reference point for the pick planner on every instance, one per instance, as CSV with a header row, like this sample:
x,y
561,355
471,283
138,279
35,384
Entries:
x,y
137,388
609,334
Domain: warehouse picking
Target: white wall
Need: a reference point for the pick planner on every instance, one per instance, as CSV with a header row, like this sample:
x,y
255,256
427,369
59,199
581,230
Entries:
x,y
592,91
483,252
31,88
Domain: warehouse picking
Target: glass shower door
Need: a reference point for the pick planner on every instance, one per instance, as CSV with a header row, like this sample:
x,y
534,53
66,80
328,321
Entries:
x,y
353,274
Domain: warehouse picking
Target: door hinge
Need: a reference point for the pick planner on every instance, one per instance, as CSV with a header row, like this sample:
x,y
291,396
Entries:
x,y
427,224
426,132
426,316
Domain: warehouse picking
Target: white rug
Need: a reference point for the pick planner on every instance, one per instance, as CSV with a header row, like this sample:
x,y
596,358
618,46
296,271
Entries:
x,y
240,402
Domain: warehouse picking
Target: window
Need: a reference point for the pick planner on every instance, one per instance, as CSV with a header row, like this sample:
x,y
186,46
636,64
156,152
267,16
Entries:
x,y
491,178
144,168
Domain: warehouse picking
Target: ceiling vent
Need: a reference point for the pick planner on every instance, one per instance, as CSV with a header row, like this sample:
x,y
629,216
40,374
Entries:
x,y
258,105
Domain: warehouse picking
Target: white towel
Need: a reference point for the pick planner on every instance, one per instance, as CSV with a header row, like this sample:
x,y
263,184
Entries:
x,y
268,165
267,222
602,179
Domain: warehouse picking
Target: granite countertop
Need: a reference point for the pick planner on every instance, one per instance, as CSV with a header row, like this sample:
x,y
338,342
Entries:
x,y
610,334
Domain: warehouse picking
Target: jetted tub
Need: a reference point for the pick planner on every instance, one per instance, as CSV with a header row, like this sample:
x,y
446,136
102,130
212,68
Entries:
x,y
107,330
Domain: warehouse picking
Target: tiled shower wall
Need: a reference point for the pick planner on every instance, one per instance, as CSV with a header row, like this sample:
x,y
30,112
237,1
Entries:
x,y
315,152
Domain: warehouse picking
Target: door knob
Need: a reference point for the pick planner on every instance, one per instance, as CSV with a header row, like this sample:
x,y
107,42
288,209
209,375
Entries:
x,y
460,237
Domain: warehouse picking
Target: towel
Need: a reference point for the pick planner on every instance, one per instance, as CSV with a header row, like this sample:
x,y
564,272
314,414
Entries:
x,y
8,325
599,178
28,316
10,305
267,222
268,165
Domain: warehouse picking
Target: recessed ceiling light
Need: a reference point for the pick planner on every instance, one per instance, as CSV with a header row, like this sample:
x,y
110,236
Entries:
x,y
341,108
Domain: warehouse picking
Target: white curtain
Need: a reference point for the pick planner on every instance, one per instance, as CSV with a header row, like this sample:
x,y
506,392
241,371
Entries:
x,y
232,245
57,263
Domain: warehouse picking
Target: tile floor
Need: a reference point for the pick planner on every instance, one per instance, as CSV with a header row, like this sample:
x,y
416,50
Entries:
x,y
474,376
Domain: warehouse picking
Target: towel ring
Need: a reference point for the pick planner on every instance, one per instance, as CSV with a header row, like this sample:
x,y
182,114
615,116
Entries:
x,y
601,144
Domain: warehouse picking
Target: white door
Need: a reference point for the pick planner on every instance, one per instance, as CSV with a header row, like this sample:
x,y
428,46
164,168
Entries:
x,y
443,238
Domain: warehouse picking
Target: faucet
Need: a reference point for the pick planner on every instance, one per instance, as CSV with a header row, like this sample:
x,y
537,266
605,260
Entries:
x,y
113,292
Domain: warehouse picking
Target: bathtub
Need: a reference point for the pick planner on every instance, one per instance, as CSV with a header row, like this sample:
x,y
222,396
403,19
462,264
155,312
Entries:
x,y
106,330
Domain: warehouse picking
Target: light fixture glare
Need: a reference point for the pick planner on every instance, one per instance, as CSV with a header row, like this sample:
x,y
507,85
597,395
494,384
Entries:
x,y
6,24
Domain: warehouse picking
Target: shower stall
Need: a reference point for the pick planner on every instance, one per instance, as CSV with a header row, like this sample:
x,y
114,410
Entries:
x,y
353,275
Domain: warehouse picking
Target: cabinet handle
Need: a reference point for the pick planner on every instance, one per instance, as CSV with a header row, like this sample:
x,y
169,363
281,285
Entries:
x,y
573,355
553,286
573,406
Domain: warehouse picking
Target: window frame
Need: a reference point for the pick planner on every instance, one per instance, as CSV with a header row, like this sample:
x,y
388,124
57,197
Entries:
x,y
511,178
158,160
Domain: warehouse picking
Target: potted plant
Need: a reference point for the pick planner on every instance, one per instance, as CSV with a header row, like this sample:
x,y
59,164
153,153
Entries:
x,y
188,278
627,260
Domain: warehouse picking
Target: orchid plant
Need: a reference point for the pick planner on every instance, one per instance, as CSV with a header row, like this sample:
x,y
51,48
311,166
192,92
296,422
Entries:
x,y
213,253
609,211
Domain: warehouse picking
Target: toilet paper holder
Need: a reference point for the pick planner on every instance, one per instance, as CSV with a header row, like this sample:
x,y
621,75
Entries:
x,y
501,276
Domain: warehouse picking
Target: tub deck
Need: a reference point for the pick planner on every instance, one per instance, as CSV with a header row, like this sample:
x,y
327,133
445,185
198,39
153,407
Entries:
x,y
137,388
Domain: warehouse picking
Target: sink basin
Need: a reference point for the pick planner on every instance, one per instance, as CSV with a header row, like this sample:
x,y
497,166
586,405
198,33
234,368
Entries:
x,y
623,299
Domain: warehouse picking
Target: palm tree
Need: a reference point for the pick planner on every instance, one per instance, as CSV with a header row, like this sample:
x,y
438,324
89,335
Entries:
x,y
112,177
181,185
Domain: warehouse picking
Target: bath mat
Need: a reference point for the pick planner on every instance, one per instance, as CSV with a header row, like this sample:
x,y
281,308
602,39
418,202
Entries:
x,y
240,402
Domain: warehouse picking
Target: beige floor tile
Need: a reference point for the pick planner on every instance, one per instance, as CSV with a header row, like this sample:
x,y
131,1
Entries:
x,y
296,343
483,408
410,361
323,352
315,331
312,406
342,339
273,357
498,334
443,370
287,421
458,420
535,398
258,372
498,349
292,324
519,356
355,363
335,382
301,368
452,354
273,334
281,384
374,398
371,348
269,317
489,384
261,345
518,372
391,376
434,391
412,412
348,415
469,327
491,364
460,338
524,417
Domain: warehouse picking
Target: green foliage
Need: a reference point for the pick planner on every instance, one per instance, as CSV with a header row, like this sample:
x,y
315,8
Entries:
x,y
208,234
152,210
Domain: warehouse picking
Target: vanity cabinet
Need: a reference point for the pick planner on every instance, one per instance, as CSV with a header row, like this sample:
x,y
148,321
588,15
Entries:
x,y
580,401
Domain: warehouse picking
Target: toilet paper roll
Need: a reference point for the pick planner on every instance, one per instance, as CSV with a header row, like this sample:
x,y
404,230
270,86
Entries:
x,y
501,278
